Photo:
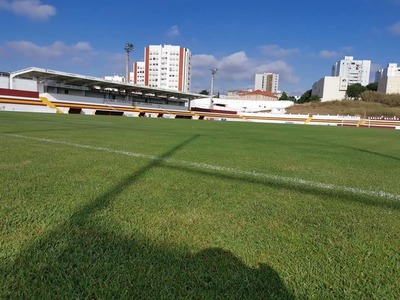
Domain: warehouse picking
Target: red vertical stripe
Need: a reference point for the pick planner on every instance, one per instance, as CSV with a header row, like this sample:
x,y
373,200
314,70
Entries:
x,y
135,73
146,68
181,58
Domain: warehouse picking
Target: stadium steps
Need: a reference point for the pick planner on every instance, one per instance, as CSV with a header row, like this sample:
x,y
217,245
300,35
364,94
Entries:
x,y
361,123
50,104
308,119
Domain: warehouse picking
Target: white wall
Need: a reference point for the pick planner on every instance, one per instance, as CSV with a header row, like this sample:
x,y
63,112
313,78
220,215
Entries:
x,y
391,70
242,105
27,108
4,82
19,84
25,85
389,85
330,88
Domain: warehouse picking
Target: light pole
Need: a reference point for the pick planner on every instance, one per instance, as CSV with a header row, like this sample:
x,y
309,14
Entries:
x,y
128,48
213,72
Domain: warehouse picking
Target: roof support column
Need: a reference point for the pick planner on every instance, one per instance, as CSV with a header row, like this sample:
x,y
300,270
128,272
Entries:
x,y
11,83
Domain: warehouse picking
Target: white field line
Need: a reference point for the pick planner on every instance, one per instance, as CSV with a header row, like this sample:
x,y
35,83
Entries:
x,y
325,186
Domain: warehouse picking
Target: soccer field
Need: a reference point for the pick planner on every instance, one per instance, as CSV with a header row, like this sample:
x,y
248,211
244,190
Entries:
x,y
139,208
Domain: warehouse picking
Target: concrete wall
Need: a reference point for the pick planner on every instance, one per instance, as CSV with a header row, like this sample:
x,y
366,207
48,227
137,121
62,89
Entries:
x,y
4,82
330,88
25,85
19,84
26,108
389,85
242,106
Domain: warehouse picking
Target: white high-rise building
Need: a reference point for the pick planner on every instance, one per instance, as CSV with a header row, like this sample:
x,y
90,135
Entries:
x,y
165,67
356,71
138,73
389,81
268,82
391,70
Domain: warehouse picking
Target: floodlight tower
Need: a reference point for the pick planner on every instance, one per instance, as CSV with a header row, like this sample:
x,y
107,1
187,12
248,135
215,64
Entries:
x,y
128,48
213,72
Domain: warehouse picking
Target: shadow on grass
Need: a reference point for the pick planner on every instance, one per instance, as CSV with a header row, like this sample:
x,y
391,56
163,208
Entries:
x,y
326,143
373,153
326,193
80,259
80,262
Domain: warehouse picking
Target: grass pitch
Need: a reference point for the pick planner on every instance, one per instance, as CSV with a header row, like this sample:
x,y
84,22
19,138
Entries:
x,y
107,207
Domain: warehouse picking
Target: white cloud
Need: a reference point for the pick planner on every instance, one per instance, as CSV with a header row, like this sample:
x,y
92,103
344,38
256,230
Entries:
x,y
204,60
346,50
57,49
395,28
32,9
201,65
276,51
238,70
230,68
82,46
235,67
173,31
328,54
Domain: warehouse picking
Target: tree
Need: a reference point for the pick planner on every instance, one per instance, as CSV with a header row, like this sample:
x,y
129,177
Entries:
x,y
372,86
305,97
204,92
314,98
284,96
354,91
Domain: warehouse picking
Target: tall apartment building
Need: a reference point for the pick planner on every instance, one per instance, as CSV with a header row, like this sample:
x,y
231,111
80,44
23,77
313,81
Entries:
x,y
389,79
165,67
268,82
391,70
138,73
356,71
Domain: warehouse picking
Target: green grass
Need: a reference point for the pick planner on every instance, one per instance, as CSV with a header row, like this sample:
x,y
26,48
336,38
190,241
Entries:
x,y
92,222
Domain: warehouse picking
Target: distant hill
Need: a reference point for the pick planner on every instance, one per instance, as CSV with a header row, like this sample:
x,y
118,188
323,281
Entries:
x,y
345,107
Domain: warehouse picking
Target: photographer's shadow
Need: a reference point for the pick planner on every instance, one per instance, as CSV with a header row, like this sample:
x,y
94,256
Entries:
x,y
100,265
218,273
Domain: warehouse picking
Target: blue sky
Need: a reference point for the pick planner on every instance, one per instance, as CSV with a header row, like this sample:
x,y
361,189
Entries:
x,y
300,40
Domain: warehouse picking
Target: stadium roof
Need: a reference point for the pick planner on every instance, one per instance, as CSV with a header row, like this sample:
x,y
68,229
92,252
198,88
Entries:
x,y
90,81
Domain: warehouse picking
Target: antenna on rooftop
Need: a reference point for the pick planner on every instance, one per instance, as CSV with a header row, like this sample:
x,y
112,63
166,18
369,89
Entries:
x,y
128,48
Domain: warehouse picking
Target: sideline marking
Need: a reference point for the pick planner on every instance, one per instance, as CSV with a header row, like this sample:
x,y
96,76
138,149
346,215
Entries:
x,y
380,194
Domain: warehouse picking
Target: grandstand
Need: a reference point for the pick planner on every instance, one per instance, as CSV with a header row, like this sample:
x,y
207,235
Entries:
x,y
48,91
63,92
